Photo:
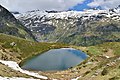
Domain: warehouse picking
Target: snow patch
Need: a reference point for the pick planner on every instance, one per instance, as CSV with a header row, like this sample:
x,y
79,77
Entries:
x,y
16,78
16,67
76,78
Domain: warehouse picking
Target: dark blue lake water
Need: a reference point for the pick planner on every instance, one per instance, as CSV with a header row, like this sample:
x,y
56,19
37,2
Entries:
x,y
55,59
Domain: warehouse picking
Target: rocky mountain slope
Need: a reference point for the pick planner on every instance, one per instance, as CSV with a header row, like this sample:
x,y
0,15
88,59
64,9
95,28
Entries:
x,y
84,28
10,25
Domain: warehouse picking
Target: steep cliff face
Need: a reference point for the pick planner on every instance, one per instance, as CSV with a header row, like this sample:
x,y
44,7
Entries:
x,y
79,28
11,26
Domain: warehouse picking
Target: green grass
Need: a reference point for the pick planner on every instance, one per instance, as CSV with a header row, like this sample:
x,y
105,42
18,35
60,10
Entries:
x,y
26,48
103,48
94,50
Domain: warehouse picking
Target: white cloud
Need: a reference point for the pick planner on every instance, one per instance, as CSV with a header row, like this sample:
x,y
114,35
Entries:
x,y
27,5
105,4
96,3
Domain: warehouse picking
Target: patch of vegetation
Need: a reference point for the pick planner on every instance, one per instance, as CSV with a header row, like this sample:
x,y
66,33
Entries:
x,y
104,48
115,78
104,72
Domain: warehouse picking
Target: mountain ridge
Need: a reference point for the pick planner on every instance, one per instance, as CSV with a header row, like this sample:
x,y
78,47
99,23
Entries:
x,y
11,26
89,27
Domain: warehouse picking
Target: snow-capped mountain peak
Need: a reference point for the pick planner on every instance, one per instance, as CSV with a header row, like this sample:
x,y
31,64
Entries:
x,y
62,26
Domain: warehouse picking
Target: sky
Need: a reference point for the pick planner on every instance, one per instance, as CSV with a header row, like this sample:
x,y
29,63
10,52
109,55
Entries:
x,y
81,7
59,5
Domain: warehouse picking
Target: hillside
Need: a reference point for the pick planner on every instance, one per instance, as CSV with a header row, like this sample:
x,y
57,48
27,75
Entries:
x,y
105,58
84,28
11,26
22,48
16,50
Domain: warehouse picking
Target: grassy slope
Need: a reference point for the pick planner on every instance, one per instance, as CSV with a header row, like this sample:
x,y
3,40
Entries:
x,y
98,66
103,48
24,47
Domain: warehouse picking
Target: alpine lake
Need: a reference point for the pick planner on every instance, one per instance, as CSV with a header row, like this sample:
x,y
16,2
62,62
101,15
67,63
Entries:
x,y
55,60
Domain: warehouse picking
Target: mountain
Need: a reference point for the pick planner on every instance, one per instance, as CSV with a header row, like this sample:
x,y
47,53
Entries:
x,y
11,26
89,27
115,10
85,28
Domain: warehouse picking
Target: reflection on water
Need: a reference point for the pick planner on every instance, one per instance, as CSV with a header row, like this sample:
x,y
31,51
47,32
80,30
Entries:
x,y
56,59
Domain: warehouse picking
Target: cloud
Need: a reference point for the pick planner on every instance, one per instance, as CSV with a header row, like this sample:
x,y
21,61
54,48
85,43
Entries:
x,y
27,5
105,4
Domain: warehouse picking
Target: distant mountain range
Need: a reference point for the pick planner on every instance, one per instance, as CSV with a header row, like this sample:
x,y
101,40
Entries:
x,y
84,28
11,26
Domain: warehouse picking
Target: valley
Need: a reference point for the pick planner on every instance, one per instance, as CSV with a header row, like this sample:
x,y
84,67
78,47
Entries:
x,y
32,34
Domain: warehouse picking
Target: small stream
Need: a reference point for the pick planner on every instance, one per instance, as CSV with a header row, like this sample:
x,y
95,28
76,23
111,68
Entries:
x,y
55,60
